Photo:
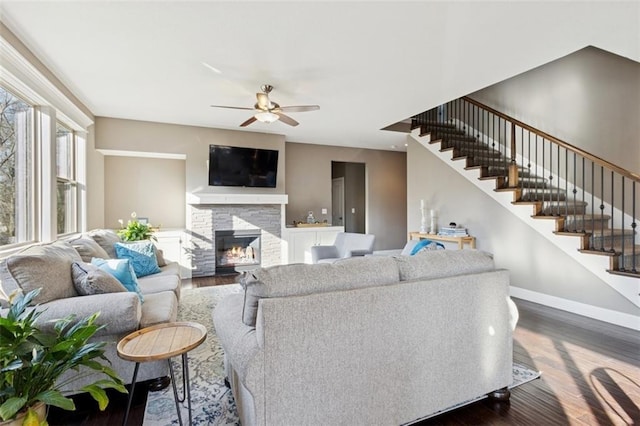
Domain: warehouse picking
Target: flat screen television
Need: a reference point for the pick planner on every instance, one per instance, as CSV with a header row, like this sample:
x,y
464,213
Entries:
x,y
237,166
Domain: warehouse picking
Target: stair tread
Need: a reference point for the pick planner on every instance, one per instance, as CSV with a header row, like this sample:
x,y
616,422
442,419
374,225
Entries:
x,y
625,273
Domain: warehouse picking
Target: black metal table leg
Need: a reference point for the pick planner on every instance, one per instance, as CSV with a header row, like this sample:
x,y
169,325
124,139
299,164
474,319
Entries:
x,y
185,369
133,386
175,392
186,387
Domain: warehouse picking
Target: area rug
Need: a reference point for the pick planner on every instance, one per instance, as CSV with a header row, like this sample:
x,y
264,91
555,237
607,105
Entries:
x,y
212,402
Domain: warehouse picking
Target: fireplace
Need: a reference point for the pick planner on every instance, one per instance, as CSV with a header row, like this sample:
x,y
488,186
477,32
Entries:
x,y
237,250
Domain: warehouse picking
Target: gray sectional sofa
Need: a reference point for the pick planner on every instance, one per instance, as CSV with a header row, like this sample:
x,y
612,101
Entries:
x,y
369,340
49,266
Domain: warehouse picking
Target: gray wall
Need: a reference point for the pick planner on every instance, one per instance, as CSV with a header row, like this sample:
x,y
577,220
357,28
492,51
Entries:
x,y
304,172
151,187
590,99
309,187
189,142
534,263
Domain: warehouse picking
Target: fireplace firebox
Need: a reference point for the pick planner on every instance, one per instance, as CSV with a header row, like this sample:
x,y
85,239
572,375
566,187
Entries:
x,y
237,250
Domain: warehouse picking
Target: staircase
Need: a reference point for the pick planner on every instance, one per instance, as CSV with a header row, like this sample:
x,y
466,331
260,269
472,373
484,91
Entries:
x,y
586,198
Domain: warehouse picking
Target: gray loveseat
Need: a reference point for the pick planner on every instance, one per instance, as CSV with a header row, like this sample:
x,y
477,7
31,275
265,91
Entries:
x,y
49,266
369,340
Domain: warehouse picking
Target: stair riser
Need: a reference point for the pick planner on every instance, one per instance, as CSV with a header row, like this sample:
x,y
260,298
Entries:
x,y
597,242
588,227
532,183
562,209
586,223
549,195
628,261
470,144
486,156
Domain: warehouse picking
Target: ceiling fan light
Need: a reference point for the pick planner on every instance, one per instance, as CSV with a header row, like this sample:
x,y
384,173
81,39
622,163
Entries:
x,y
266,117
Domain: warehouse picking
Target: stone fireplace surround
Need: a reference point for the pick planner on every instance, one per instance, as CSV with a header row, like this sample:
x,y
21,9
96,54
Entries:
x,y
210,212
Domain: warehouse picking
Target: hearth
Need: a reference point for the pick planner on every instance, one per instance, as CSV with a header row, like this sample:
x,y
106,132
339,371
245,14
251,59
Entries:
x,y
237,250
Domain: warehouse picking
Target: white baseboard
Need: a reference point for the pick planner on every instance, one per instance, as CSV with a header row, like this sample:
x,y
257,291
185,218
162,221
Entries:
x,y
602,314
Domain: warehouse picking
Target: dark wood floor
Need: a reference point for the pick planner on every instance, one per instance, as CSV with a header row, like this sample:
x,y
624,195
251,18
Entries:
x,y
590,376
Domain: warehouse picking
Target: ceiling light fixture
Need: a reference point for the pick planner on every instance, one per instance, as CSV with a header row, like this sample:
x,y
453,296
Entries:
x,y
266,117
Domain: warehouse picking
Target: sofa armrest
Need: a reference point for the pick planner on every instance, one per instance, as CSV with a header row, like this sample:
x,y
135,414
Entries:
x,y
323,252
352,253
238,340
120,312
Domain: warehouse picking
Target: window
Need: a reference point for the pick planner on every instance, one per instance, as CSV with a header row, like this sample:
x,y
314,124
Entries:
x,y
16,170
67,187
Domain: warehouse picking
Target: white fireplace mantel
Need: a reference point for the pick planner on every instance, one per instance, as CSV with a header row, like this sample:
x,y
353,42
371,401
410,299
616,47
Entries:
x,y
215,198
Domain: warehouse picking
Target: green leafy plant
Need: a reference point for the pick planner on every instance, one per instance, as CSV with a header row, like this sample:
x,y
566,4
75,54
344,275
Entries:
x,y
32,361
135,230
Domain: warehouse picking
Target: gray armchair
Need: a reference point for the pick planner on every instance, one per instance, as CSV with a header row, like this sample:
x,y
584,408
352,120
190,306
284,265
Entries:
x,y
347,244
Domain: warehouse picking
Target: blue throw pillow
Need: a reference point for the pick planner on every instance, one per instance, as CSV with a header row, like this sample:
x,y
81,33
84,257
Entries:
x,y
122,270
425,245
141,255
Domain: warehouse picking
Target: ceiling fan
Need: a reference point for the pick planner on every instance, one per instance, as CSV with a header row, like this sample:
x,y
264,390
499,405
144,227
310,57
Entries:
x,y
268,111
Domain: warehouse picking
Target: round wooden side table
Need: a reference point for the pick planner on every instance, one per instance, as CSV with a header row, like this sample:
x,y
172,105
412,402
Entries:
x,y
163,341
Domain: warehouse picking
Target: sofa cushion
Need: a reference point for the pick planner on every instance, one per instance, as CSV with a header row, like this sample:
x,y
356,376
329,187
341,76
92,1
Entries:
x,y
168,279
159,308
160,256
46,266
122,270
429,264
89,279
142,256
106,238
301,279
87,248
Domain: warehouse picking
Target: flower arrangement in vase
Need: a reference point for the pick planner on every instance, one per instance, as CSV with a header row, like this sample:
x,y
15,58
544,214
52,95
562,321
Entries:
x,y
136,230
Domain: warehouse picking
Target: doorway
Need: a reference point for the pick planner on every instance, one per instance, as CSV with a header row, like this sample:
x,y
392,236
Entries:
x,y
348,196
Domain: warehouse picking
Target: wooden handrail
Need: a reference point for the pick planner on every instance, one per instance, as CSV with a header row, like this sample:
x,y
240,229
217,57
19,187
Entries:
x,y
568,146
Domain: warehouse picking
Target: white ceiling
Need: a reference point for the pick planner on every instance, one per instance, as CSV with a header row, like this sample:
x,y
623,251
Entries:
x,y
367,64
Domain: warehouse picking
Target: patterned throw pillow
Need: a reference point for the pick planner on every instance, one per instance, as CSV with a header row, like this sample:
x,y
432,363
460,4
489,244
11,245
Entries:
x,y
89,279
142,256
122,270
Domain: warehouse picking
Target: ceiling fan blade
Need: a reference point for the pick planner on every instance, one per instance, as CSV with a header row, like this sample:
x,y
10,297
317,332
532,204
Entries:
x,y
249,121
231,107
286,119
263,101
300,108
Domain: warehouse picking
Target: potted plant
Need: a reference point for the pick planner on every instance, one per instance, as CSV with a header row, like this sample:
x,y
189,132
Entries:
x,y
135,230
32,361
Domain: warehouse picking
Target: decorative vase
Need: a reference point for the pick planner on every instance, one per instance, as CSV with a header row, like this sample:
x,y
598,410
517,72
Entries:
x,y
423,217
40,408
433,229
423,220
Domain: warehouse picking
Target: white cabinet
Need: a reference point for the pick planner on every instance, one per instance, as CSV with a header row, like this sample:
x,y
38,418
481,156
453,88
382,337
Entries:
x,y
170,241
300,241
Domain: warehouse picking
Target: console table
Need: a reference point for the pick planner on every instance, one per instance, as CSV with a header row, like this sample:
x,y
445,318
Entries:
x,y
471,241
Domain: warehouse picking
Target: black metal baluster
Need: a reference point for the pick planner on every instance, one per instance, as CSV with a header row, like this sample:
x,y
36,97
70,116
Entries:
x,y
612,250
529,162
621,267
543,170
602,206
593,206
575,192
522,160
633,227
584,211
